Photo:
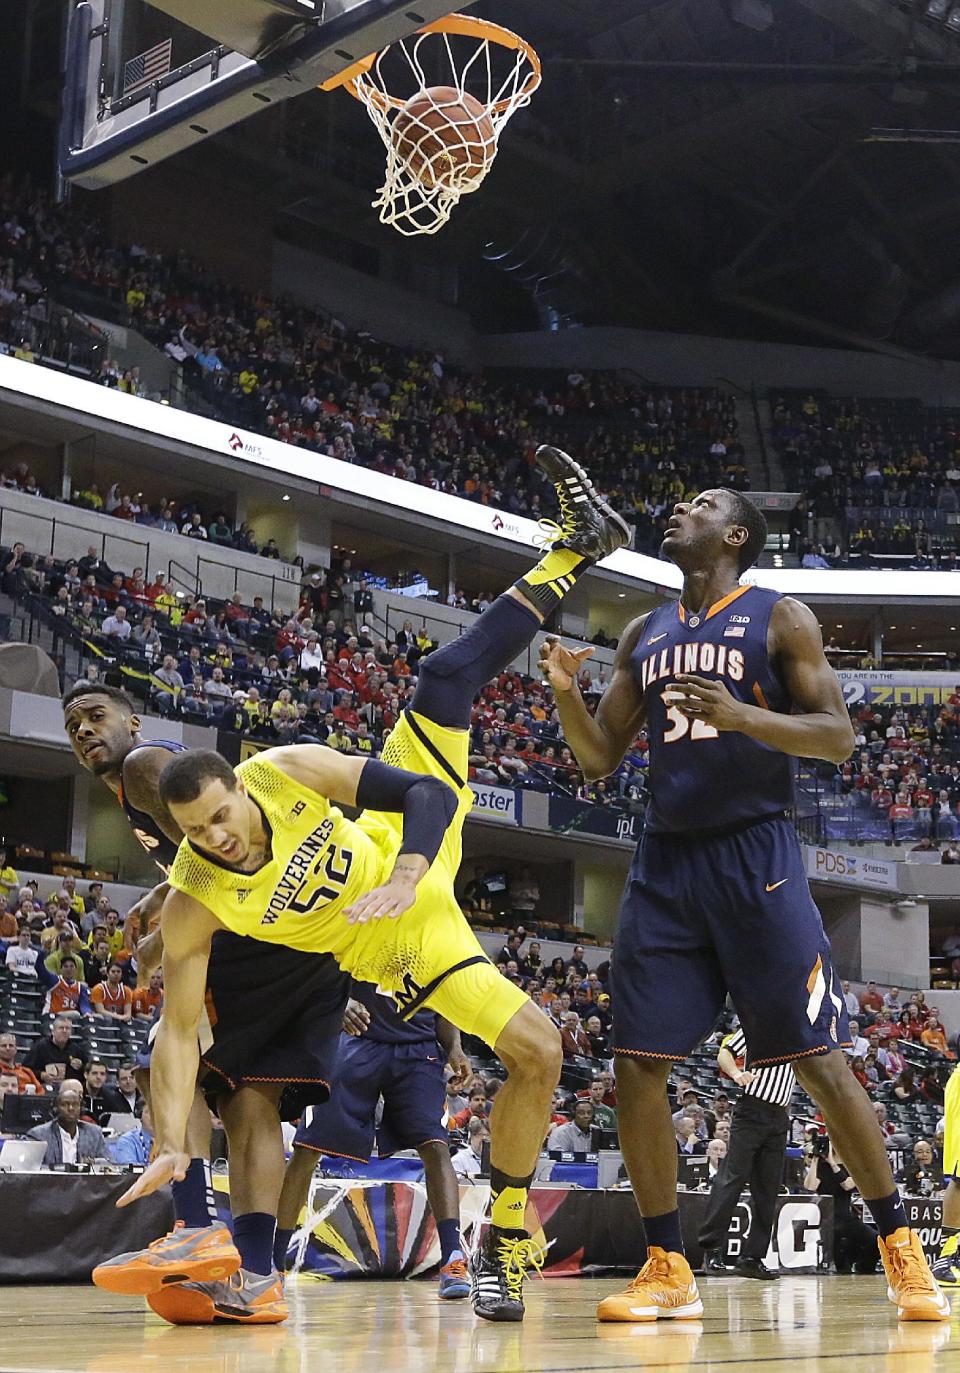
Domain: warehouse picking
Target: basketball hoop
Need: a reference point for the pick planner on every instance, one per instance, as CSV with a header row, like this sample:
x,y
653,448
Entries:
x,y
441,132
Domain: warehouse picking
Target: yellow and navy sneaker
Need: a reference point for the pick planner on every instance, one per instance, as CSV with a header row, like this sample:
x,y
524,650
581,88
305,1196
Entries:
x,y
188,1253
588,525
497,1271
946,1266
245,1299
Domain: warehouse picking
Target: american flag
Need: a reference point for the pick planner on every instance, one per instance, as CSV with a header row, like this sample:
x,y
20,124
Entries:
x,y
148,66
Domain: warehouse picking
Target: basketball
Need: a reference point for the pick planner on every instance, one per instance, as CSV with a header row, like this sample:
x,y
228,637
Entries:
x,y
445,136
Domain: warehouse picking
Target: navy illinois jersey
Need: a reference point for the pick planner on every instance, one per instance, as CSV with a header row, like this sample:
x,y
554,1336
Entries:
x,y
702,779
146,830
386,1027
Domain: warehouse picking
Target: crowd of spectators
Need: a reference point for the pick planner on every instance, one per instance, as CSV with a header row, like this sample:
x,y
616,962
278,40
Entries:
x,y
280,369
319,674
881,477
323,673
902,781
79,951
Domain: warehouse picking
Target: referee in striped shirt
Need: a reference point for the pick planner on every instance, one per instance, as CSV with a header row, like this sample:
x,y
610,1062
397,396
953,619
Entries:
x,y
758,1137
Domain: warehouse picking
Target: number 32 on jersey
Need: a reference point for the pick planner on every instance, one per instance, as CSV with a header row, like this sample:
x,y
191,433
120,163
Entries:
x,y
681,725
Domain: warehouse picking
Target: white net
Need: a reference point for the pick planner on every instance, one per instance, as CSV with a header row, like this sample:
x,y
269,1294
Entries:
x,y
439,101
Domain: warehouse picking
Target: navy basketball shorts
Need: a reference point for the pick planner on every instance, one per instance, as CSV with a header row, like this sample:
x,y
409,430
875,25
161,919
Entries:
x,y
275,1015
704,915
410,1079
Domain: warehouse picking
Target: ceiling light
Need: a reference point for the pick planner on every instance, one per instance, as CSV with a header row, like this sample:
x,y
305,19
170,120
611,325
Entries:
x,y
284,497
622,595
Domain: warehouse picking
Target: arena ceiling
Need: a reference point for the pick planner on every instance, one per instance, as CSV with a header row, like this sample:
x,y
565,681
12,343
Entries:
x,y
787,167
775,168
784,169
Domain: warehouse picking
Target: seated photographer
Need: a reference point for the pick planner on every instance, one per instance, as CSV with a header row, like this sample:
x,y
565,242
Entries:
x,y
922,1175
854,1244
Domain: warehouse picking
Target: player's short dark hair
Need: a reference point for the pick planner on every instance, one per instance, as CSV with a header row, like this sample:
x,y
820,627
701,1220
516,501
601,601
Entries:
x,y
745,513
98,689
186,775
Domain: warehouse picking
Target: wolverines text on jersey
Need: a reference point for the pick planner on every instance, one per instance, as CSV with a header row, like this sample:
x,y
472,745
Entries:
x,y
320,863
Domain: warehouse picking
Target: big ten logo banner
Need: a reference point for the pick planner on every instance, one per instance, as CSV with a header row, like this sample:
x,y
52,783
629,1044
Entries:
x,y
802,1238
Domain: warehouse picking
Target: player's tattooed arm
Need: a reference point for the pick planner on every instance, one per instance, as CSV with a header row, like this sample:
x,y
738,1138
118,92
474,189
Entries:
x,y
599,741
820,726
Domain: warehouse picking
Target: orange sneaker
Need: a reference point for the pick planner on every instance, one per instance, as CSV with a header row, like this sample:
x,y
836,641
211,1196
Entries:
x,y
910,1285
245,1298
197,1253
664,1289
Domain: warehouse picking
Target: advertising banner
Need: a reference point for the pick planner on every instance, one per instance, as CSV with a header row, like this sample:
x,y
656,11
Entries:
x,y
850,869
363,1227
898,688
497,803
581,817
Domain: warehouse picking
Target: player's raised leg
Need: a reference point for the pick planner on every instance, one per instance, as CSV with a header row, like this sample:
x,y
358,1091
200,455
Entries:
x,y
588,531
449,681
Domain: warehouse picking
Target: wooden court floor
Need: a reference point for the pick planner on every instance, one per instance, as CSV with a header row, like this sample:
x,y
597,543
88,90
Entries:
x,y
838,1324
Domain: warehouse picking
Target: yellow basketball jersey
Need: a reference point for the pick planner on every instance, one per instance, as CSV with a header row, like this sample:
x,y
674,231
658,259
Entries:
x,y
320,862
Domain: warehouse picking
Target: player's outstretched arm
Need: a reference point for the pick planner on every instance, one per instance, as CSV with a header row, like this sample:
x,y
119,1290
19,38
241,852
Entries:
x,y
427,804
820,729
188,928
600,741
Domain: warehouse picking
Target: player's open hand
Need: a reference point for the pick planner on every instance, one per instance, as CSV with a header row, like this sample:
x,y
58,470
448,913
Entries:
x,y
166,1167
702,698
383,903
560,666
356,1018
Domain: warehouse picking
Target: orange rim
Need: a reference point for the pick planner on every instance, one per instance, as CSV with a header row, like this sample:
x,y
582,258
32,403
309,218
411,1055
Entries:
x,y
463,25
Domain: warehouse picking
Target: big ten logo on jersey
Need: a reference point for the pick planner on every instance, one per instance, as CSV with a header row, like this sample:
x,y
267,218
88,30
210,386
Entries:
x,y
300,889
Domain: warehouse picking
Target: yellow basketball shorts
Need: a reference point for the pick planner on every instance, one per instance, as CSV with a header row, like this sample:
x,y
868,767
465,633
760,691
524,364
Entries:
x,y
430,957
951,1127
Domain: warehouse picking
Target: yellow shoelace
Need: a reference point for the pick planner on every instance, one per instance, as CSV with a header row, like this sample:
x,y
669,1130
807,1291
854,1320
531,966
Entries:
x,y
517,1256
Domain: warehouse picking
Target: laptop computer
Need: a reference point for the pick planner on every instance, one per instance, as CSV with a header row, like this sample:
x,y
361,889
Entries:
x,y
22,1155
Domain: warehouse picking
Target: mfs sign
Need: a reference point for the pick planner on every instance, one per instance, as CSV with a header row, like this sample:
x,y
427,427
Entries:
x,y
496,803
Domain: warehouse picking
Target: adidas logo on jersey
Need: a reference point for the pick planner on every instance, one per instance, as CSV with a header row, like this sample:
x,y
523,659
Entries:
x,y
242,894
